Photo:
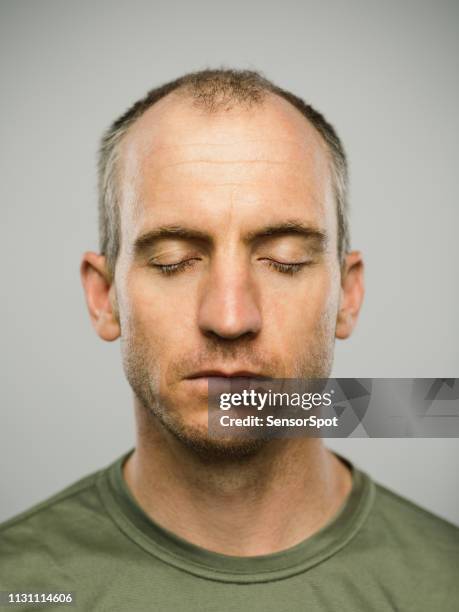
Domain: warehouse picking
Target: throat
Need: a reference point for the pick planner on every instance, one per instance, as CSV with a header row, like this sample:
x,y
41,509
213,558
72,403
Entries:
x,y
256,505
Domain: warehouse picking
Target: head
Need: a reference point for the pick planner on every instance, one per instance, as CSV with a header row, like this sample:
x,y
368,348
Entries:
x,y
224,244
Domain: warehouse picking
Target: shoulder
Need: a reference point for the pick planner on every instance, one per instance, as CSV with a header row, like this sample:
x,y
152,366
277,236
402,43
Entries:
x,y
405,553
38,542
415,534
416,520
58,503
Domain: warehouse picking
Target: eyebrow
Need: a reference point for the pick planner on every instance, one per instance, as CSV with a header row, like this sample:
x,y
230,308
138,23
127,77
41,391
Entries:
x,y
148,239
288,228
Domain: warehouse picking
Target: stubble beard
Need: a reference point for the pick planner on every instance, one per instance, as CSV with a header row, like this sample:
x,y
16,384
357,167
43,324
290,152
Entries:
x,y
159,414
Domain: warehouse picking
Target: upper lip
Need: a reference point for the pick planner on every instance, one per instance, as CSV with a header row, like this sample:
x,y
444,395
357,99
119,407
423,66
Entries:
x,y
225,374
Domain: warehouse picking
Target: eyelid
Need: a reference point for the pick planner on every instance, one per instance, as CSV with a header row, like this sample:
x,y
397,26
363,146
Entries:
x,y
153,261
287,268
280,266
172,250
286,253
175,267
287,263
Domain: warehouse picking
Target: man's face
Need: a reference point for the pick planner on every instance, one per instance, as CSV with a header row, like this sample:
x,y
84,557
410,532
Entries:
x,y
228,261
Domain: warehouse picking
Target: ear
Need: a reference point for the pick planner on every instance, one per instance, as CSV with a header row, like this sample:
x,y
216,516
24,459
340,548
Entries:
x,y
100,297
352,292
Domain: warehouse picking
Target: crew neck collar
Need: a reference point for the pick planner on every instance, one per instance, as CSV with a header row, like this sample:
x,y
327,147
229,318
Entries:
x,y
180,553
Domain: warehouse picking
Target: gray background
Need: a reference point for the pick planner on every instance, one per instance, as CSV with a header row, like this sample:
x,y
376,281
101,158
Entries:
x,y
385,73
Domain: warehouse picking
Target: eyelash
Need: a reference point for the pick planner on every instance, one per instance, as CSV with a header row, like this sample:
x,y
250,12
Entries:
x,y
169,269
283,268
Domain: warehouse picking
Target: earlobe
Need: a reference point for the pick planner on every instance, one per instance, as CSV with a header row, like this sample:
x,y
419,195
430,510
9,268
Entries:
x,y
352,293
99,296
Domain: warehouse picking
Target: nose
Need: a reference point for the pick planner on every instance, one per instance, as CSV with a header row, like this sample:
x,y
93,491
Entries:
x,y
229,305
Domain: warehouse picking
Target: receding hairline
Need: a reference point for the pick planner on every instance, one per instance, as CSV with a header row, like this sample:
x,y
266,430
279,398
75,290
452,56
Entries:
x,y
179,98
213,91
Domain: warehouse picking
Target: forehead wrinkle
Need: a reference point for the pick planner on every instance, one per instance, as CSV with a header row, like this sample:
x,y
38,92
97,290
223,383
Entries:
x,y
175,117
167,145
141,146
156,139
213,153
222,162
310,169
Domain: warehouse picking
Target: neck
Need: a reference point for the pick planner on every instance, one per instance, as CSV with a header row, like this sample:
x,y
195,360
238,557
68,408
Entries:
x,y
257,505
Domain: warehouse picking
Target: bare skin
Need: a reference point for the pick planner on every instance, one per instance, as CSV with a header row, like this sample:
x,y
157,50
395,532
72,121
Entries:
x,y
198,193
258,507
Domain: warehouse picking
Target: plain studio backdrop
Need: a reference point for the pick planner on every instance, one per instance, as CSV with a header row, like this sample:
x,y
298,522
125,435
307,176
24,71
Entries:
x,y
384,73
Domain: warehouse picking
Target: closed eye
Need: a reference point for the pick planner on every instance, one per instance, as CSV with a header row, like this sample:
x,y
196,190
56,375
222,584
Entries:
x,y
175,268
287,268
284,268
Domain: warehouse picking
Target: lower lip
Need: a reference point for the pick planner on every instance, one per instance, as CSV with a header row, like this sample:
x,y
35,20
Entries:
x,y
218,383
198,386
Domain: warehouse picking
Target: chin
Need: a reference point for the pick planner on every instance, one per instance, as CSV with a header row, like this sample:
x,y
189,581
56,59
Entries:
x,y
195,437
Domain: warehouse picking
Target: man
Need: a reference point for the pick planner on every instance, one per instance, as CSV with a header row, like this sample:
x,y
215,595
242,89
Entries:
x,y
225,253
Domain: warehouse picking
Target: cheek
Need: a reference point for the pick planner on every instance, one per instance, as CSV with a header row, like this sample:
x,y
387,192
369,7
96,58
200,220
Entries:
x,y
149,316
142,313
298,315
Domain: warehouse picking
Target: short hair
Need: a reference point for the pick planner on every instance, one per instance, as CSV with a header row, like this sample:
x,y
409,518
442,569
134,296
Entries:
x,y
211,90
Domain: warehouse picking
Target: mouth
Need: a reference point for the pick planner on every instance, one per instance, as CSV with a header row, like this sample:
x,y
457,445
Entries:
x,y
210,383
225,374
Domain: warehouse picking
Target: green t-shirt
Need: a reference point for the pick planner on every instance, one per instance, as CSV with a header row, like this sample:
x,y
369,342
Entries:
x,y
380,552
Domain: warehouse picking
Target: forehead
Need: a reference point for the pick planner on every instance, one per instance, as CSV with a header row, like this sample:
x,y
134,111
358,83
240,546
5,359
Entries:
x,y
179,159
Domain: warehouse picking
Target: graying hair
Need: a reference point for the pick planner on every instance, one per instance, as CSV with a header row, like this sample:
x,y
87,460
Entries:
x,y
212,90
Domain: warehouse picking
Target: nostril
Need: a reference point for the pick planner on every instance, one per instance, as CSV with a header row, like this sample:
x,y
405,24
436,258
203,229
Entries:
x,y
229,338
245,323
